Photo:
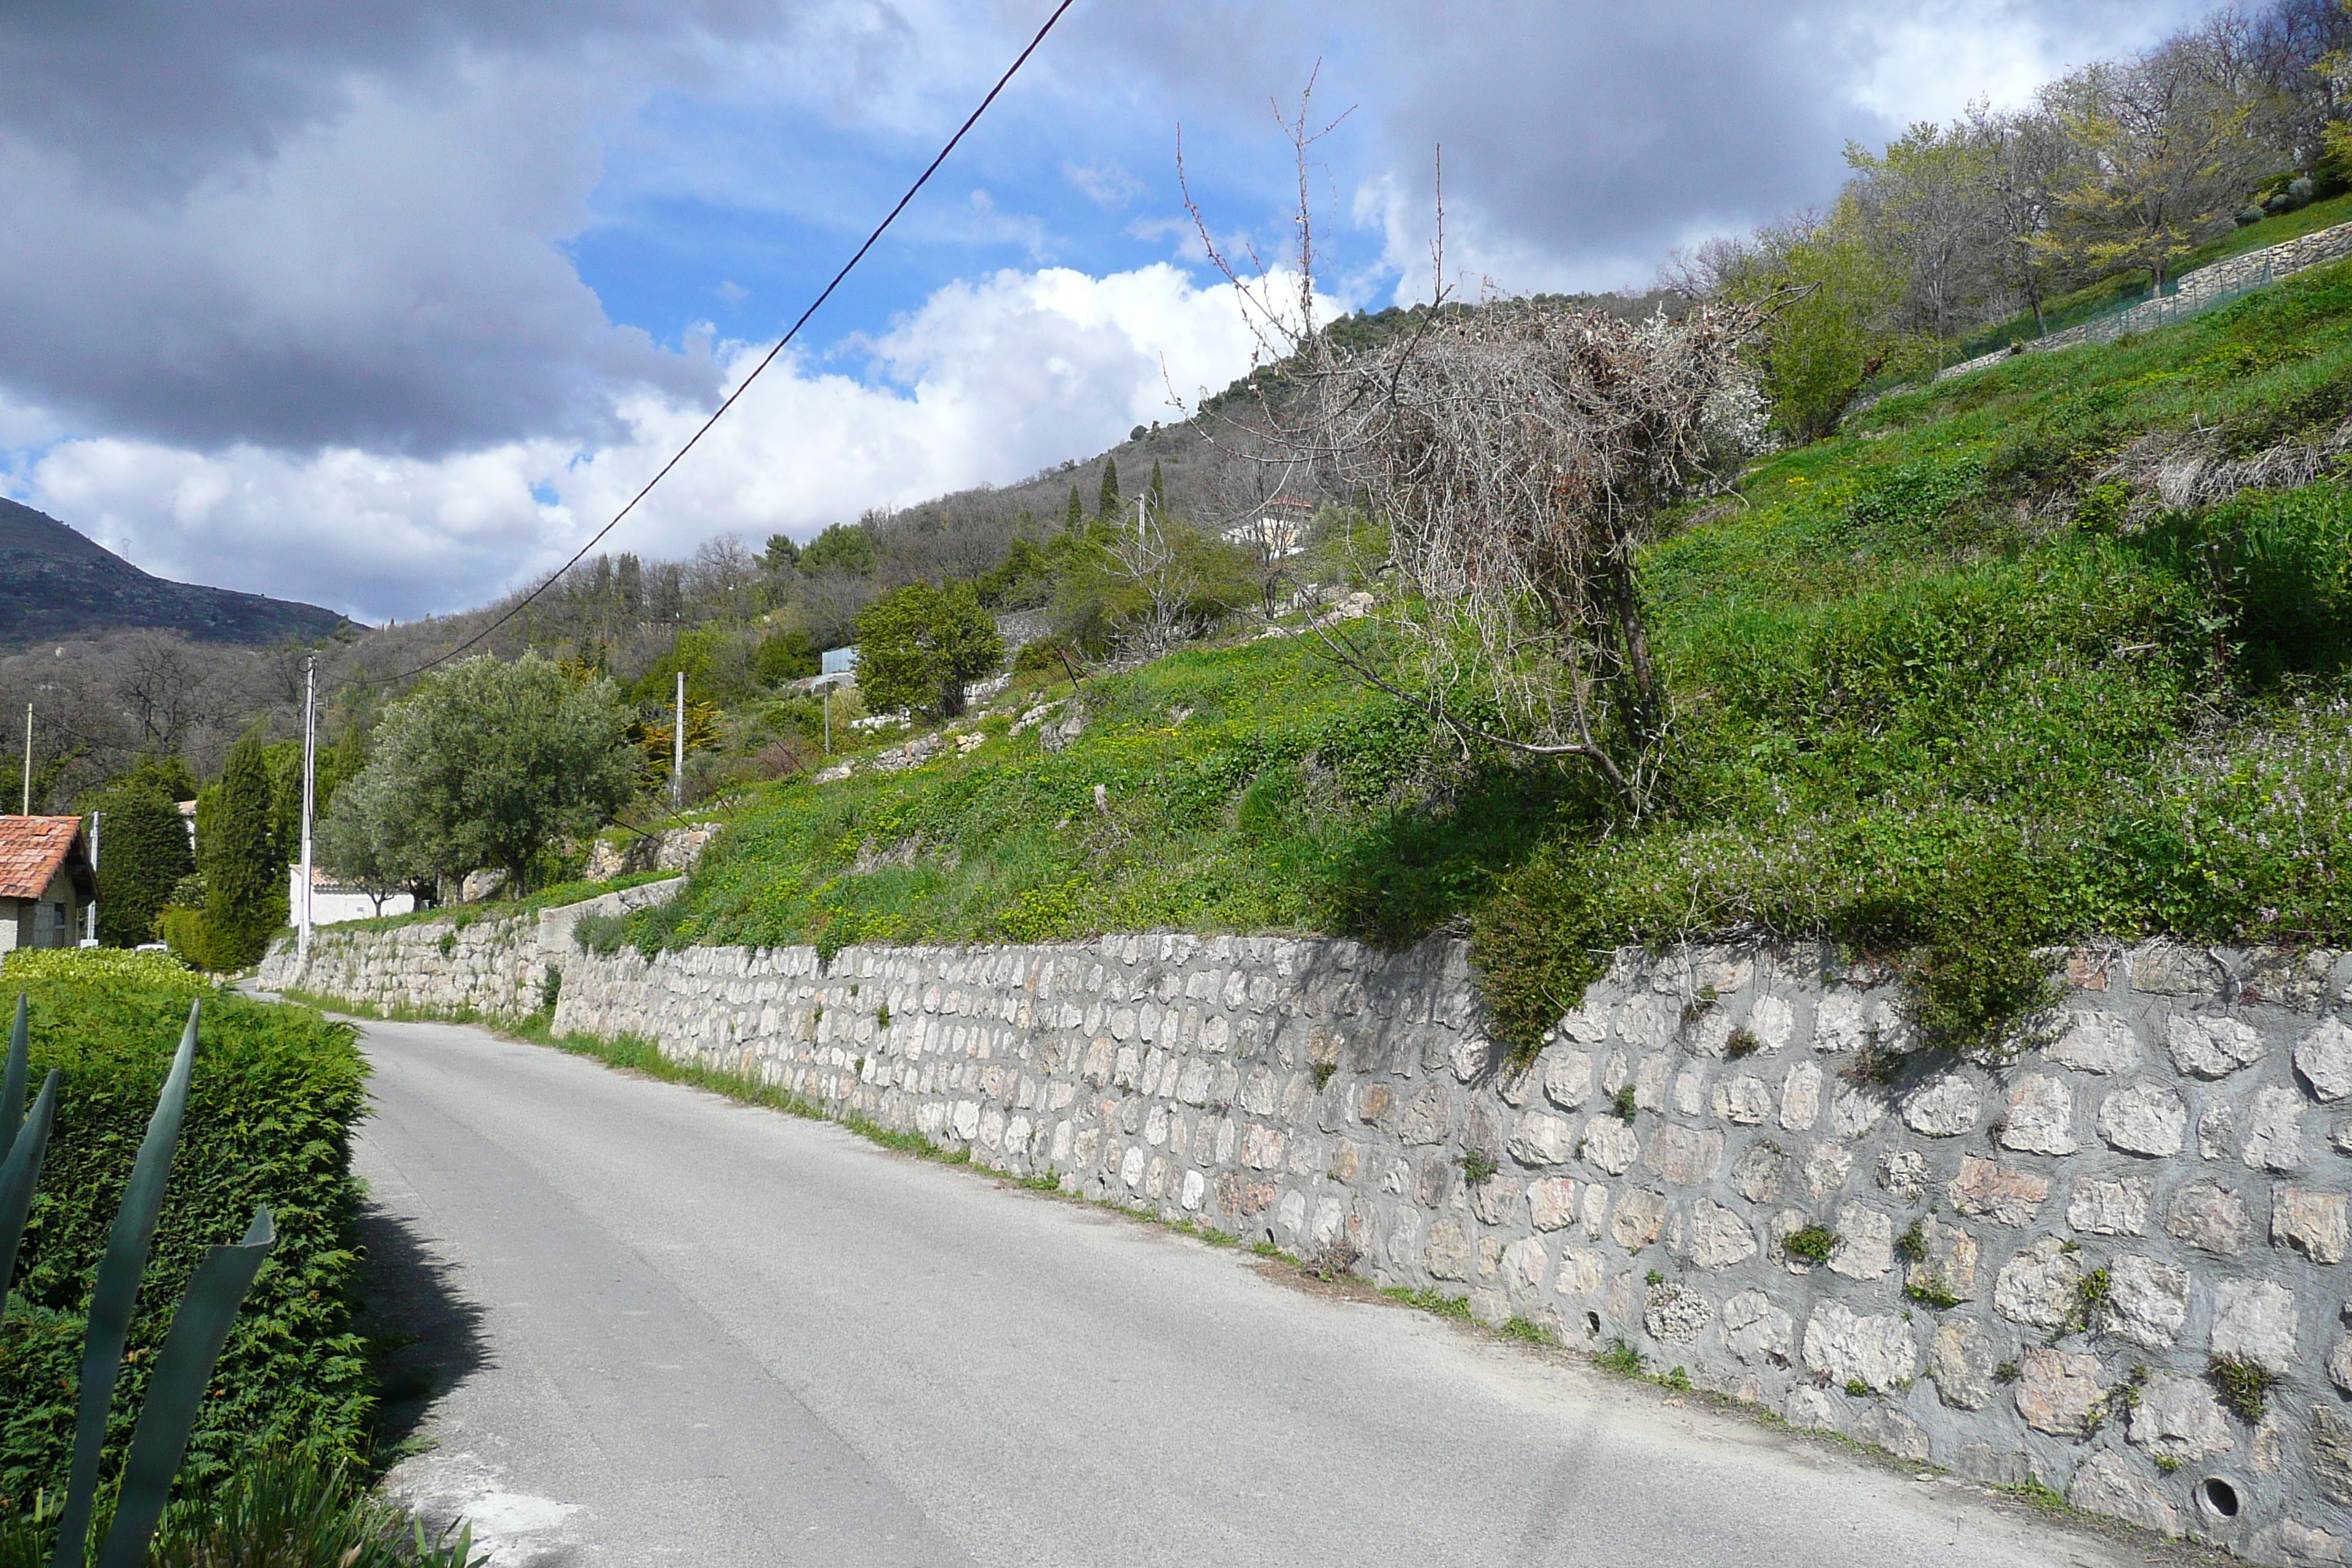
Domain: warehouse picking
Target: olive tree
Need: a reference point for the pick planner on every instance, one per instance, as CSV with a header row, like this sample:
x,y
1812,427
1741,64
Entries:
x,y
488,763
920,646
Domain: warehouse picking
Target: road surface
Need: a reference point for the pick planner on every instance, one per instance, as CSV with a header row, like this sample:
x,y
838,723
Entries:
x,y
676,1329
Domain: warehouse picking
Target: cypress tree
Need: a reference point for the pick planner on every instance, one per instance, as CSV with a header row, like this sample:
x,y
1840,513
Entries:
x,y
245,873
143,853
1158,491
1075,519
1106,504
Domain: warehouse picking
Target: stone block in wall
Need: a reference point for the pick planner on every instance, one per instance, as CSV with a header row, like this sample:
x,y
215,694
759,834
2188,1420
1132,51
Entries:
x,y
2107,1483
2008,1196
1757,1332
1946,1106
2041,1286
2147,1301
1637,1218
2111,1208
1684,1156
2331,1456
2210,1046
2314,1224
2040,1117
2256,1321
1717,1237
2273,1140
1963,1360
2059,1392
2145,1119
1845,1346
2324,1058
1756,1176
2179,1419
2097,1043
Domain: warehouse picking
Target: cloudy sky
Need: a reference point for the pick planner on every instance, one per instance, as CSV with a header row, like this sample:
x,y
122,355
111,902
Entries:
x,y
389,303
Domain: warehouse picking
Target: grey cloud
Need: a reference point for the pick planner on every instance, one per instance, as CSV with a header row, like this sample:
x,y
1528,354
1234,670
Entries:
x,y
303,225
1588,132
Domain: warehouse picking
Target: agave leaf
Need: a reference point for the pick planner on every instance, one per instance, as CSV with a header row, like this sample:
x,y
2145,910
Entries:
x,y
117,1290
199,1328
20,1173
11,1081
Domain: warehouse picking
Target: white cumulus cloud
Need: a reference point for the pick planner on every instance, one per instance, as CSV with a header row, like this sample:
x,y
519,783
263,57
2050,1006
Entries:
x,y
989,380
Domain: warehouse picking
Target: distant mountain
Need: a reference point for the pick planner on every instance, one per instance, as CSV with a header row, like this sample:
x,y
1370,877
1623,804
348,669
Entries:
x,y
56,584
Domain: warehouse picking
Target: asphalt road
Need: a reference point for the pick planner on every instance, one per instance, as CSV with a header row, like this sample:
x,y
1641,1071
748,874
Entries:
x,y
676,1330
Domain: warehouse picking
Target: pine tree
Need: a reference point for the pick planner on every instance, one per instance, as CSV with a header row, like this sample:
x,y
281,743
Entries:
x,y
1107,505
1158,491
245,873
143,853
1075,520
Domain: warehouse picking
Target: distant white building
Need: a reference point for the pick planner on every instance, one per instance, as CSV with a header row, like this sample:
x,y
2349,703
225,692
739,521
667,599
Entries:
x,y
332,902
1276,533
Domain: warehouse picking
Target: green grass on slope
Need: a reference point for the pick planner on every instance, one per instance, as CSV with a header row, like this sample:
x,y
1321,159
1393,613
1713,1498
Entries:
x,y
1931,700
1249,788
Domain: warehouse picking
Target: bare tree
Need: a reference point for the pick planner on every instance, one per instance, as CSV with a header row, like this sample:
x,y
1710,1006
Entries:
x,y
2033,163
161,684
1929,196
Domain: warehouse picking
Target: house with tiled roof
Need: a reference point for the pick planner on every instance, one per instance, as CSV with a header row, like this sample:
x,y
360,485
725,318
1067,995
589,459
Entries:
x,y
46,882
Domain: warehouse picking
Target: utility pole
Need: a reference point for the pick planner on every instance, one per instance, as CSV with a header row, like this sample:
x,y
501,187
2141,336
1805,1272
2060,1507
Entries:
x,y
678,749
95,819
309,800
28,761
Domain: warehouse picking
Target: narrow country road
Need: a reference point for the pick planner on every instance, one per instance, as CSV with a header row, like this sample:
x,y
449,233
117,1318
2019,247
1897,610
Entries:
x,y
699,1333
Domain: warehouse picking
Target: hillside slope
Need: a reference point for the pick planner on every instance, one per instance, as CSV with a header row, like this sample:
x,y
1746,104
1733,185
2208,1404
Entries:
x,y
2015,660
56,584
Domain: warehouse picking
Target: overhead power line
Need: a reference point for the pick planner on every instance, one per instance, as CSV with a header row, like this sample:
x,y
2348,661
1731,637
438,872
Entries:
x,y
765,361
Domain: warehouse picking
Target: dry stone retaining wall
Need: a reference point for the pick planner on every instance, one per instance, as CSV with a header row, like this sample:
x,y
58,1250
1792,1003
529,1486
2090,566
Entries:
x,y
2208,285
2032,1268
494,965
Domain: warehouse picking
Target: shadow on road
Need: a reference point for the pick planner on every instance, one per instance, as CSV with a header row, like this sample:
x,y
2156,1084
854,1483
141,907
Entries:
x,y
424,1336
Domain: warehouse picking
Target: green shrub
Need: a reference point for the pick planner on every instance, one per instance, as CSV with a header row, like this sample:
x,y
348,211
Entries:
x,y
275,1093
194,941
2245,1385
1813,1243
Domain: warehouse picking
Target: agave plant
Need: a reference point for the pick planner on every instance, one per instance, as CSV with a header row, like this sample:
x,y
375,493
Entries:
x,y
199,1326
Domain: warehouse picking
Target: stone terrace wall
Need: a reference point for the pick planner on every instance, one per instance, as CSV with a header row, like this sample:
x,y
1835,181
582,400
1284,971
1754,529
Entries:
x,y
2209,284
2166,1168
496,966
489,966
2166,1181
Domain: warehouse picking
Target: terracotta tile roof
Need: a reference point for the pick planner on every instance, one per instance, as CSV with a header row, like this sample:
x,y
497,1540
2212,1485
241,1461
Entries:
x,y
31,850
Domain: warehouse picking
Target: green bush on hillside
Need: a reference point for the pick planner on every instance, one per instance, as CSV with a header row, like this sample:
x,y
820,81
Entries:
x,y
274,1095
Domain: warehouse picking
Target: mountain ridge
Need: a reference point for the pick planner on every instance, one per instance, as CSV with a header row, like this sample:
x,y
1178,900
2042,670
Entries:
x,y
56,583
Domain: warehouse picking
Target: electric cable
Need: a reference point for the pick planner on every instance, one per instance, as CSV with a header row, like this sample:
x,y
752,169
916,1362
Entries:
x,y
765,361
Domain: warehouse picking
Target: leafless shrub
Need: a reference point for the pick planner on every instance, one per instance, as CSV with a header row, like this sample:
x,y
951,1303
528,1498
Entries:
x,y
1517,457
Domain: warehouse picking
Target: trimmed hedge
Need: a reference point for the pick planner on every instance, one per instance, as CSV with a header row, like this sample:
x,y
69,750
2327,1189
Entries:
x,y
274,1096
